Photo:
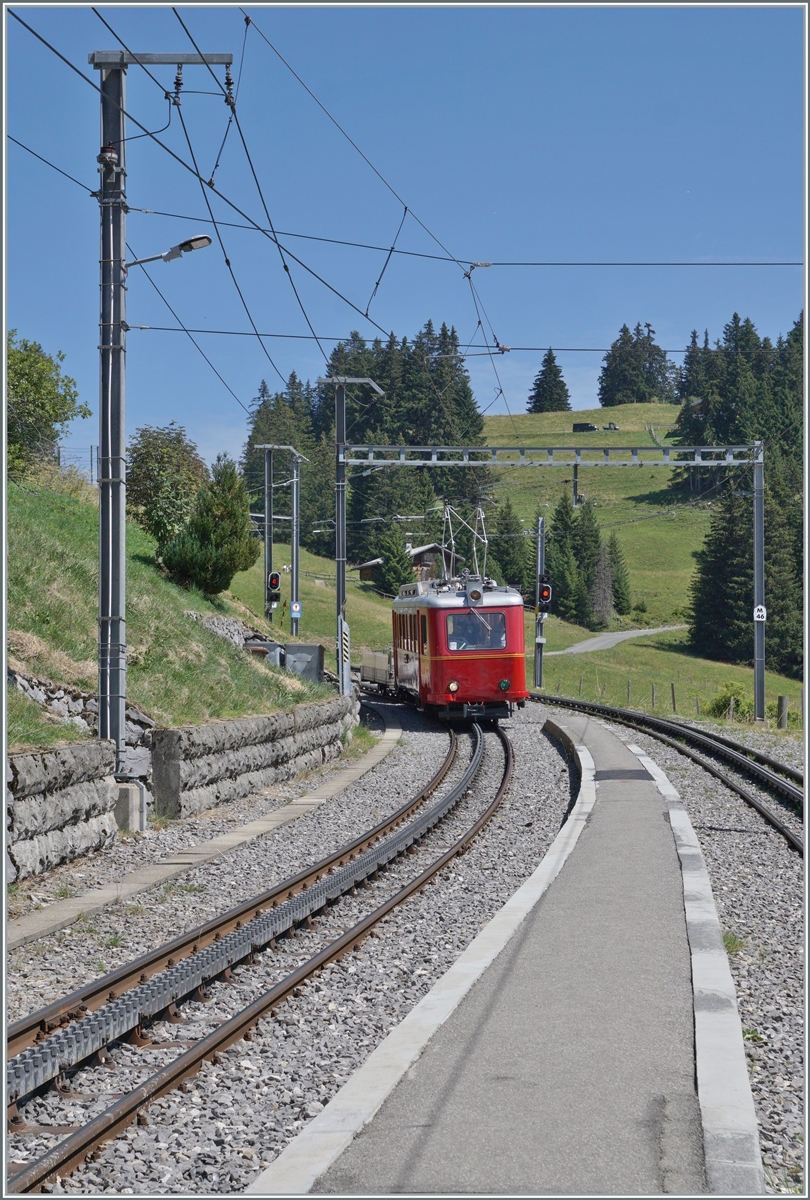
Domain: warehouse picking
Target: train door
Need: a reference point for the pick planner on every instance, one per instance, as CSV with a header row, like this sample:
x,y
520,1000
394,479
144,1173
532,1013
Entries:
x,y
424,656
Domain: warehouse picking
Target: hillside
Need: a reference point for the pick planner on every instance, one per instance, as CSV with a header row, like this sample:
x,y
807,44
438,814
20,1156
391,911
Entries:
x,y
178,671
659,530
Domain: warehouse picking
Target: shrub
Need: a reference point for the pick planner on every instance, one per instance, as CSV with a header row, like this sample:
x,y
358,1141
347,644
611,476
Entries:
x,y
721,704
164,475
216,542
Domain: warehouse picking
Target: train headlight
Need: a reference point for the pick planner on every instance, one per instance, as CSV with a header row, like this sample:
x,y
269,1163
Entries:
x,y
476,594
452,687
504,685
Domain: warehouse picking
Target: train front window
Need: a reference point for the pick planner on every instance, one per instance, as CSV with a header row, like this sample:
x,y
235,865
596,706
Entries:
x,y
476,631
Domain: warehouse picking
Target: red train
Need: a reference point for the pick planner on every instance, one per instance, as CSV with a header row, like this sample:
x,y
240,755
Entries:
x,y
458,649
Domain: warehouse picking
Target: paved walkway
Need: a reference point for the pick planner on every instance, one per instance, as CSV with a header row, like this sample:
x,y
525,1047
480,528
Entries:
x,y
558,1055
606,641
62,913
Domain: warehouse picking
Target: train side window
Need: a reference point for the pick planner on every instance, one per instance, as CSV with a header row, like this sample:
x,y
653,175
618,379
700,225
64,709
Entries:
x,y
423,619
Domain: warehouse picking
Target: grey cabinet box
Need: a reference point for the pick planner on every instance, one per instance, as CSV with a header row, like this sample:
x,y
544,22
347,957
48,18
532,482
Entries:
x,y
305,660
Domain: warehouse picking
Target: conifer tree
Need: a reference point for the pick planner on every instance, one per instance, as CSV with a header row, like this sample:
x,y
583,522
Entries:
x,y
636,370
512,550
621,580
549,392
397,566
216,542
602,597
586,542
722,589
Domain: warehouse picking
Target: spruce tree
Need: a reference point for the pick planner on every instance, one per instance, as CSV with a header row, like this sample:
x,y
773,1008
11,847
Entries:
x,y
512,550
636,370
602,596
586,542
397,566
722,588
621,580
216,543
549,392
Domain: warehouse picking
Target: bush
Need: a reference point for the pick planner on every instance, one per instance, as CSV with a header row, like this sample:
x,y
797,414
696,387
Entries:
x,y
164,475
721,704
216,543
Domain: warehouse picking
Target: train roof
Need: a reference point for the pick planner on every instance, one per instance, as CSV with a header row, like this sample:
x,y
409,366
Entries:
x,y
457,593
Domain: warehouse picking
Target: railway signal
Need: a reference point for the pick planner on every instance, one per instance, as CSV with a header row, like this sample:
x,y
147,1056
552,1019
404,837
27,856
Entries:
x,y
273,588
543,594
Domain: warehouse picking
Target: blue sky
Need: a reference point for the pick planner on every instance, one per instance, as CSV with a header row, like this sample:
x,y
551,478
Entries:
x,y
515,134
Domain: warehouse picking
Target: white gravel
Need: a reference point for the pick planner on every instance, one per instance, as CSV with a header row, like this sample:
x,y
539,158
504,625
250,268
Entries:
x,y
758,885
238,1115
43,971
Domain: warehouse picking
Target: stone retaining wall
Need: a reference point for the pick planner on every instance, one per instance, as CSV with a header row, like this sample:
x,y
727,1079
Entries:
x,y
59,805
201,766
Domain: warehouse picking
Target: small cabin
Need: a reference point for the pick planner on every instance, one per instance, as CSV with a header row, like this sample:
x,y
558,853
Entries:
x,y
426,562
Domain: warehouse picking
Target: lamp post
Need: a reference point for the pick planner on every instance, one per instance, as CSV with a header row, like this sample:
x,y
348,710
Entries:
x,y
112,670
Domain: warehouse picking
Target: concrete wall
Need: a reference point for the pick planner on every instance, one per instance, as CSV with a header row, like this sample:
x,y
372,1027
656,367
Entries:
x,y
60,804
201,766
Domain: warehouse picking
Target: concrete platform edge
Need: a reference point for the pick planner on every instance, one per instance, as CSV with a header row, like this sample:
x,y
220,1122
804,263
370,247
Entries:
x,y
325,1138
730,1130
42,923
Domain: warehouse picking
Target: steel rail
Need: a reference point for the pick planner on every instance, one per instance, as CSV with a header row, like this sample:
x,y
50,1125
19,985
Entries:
x,y
80,1146
627,719
750,762
124,1016
33,1029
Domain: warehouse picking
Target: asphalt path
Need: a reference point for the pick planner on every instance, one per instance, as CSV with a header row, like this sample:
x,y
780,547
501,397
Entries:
x,y
606,641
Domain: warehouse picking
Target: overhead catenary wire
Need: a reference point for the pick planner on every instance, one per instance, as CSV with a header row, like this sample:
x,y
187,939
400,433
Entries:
x,y
189,333
192,170
351,142
312,237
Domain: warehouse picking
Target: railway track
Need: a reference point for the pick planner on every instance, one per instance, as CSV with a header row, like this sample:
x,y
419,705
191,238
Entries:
x,y
766,772
208,954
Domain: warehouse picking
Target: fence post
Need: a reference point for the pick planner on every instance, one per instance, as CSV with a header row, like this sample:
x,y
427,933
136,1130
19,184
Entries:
x,y
653,695
628,691
697,705
731,709
580,684
781,712
674,709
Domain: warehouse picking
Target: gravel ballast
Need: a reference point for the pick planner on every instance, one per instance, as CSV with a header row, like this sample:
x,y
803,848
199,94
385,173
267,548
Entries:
x,y
238,1115
758,885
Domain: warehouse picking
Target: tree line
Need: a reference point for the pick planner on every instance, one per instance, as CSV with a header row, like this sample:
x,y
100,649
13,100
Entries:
x,y
742,387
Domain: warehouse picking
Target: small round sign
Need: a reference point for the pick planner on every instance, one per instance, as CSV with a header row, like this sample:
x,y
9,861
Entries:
x,y
295,608
760,613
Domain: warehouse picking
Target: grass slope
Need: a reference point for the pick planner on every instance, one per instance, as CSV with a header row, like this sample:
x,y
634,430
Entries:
x,y
659,530
661,659
177,671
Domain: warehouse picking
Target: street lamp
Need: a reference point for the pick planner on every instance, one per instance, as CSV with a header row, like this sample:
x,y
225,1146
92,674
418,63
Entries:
x,y
193,243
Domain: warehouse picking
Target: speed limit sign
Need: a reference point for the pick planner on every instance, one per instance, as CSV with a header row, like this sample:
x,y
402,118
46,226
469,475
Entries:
x,y
760,613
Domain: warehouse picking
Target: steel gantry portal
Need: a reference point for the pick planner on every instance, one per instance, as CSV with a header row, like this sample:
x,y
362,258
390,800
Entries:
x,y
373,458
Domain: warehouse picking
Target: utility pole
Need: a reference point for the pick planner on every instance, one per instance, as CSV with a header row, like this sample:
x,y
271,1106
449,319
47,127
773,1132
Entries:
x,y
112,650
295,541
342,637
759,582
296,536
539,617
268,530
